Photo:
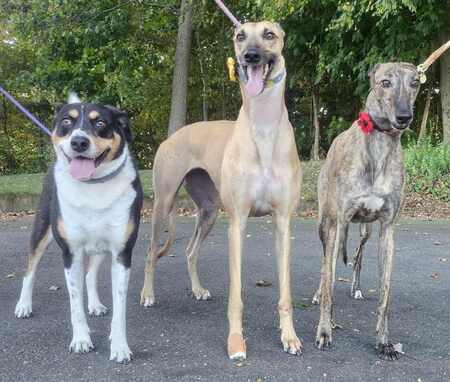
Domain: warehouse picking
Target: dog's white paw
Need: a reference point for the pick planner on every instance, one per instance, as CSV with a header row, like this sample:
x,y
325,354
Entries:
x,y
201,294
97,309
81,344
23,310
120,352
357,295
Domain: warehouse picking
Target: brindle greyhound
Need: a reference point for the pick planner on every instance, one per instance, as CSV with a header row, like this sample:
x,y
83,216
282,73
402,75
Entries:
x,y
251,165
362,181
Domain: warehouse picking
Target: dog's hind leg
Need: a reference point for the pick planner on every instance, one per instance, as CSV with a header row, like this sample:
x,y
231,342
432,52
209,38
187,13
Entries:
x,y
40,239
205,196
365,232
336,235
95,307
323,235
162,212
386,253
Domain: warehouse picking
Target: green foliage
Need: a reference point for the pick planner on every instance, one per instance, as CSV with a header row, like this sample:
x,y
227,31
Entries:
x,y
428,169
122,53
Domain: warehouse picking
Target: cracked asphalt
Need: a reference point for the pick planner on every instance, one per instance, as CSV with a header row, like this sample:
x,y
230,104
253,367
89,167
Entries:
x,y
184,340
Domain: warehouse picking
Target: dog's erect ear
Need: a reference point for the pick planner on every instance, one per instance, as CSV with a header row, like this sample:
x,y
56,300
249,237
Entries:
x,y
124,123
371,74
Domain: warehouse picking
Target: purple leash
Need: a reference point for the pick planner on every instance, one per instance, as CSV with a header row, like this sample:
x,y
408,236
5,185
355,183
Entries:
x,y
30,116
227,12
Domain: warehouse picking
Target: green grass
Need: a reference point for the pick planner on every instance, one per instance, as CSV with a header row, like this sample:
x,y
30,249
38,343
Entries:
x,y
31,184
428,169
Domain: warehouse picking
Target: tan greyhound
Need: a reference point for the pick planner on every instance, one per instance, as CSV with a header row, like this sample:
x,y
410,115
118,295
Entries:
x,y
251,165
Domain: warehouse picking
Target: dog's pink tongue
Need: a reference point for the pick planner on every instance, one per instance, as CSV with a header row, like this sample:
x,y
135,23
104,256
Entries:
x,y
82,168
255,83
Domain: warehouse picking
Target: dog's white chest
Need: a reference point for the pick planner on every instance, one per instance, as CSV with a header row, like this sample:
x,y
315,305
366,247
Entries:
x,y
264,189
96,216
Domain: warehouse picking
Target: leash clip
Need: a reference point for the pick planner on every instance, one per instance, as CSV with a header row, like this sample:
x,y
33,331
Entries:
x,y
422,76
231,64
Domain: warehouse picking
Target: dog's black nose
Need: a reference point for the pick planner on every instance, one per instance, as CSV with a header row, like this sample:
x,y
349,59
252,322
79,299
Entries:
x,y
79,144
403,119
252,56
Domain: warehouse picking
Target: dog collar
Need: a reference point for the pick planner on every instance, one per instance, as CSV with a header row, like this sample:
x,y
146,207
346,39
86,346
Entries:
x,y
268,84
109,176
365,123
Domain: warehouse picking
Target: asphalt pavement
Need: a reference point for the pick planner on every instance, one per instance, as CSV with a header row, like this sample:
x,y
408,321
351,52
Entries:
x,y
181,339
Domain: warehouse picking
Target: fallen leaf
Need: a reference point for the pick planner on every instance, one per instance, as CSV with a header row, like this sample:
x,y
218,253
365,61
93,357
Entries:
x,y
372,290
171,255
437,243
263,283
443,259
11,275
435,275
300,305
249,235
53,288
343,279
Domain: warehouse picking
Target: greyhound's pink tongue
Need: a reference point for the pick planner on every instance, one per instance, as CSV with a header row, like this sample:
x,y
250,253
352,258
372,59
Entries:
x,y
255,83
82,168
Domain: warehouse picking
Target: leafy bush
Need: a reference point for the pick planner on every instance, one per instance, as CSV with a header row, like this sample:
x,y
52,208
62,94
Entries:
x,y
428,169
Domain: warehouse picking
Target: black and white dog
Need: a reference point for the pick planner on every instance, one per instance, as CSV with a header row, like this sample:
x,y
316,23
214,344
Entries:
x,y
90,204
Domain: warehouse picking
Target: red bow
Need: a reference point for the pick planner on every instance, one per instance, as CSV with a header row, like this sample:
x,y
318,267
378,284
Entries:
x,y
365,123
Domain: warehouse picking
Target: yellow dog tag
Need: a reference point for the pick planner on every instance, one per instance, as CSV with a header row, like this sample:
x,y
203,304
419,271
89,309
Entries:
x,y
231,64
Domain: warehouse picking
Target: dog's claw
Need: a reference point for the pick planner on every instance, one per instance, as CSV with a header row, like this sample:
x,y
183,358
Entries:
x,y
201,294
148,301
23,311
292,346
357,295
324,336
81,345
121,355
387,352
97,310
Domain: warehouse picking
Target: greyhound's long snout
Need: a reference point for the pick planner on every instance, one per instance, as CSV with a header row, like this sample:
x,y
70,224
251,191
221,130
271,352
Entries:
x,y
403,119
252,56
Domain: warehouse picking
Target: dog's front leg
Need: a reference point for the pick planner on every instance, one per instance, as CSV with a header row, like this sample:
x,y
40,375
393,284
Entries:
x,y
95,307
336,234
236,342
120,276
289,339
386,253
81,340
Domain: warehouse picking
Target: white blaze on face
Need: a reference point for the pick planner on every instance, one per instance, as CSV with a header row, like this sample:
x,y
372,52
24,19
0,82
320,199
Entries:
x,y
255,83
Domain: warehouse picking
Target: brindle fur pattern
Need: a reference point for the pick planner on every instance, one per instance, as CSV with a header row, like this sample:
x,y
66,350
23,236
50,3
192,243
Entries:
x,y
362,181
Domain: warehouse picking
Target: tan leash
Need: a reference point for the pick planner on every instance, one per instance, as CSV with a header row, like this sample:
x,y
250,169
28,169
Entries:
x,y
422,68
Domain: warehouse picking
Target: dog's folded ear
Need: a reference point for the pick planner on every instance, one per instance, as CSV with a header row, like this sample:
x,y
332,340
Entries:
x,y
123,121
58,107
371,74
281,30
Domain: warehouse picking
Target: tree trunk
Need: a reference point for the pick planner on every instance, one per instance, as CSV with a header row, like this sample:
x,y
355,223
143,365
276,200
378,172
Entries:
x,y
178,108
204,82
315,98
445,88
426,111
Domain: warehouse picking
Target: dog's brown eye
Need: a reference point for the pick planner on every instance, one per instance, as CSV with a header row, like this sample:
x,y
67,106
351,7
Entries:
x,y
100,124
240,36
386,84
415,84
269,35
66,122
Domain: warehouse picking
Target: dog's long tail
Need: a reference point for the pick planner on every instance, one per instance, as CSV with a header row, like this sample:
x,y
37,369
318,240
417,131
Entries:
x,y
164,250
